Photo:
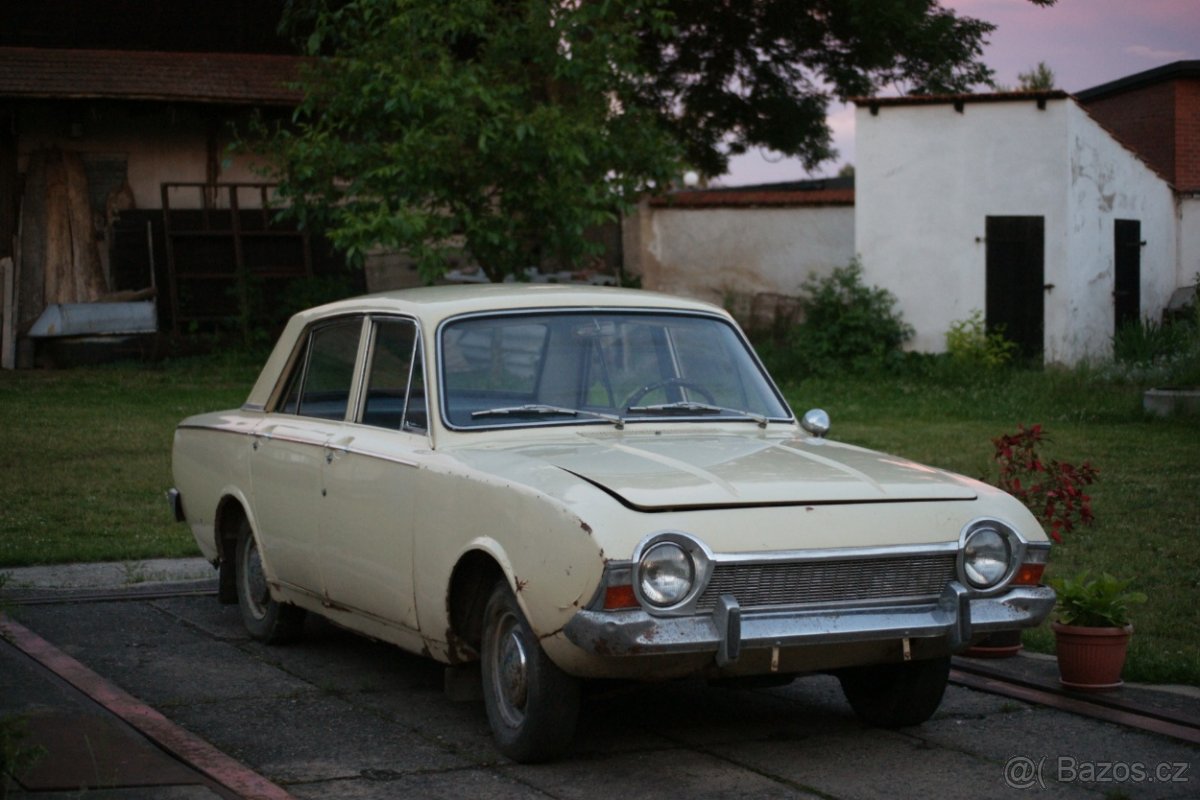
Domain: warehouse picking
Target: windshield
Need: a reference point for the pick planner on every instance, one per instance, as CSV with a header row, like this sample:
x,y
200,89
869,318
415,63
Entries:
x,y
599,367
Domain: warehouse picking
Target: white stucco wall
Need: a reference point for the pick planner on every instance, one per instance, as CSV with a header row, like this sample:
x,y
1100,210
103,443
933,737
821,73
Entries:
x,y
1189,241
1108,183
928,176
714,253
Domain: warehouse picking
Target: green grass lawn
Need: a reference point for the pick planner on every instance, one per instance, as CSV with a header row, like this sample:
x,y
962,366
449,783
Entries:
x,y
87,461
87,457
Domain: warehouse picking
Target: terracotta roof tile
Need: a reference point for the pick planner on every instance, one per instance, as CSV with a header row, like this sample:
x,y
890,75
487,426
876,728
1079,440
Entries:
x,y
731,198
228,78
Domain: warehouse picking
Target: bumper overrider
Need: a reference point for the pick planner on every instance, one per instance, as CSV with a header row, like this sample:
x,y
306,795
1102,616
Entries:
x,y
676,597
728,630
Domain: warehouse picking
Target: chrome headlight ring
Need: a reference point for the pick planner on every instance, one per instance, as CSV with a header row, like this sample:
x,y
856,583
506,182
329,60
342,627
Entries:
x,y
670,570
989,554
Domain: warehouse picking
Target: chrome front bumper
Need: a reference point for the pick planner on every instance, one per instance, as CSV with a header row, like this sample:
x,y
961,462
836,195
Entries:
x,y
955,617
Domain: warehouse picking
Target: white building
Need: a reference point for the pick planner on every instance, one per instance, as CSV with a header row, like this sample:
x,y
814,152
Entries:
x,y
1019,205
1059,217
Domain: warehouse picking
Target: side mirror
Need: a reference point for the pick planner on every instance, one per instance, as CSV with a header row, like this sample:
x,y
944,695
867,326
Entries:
x,y
816,422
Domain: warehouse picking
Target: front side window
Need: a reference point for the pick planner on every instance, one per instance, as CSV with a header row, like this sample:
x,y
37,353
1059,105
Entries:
x,y
564,367
321,377
395,392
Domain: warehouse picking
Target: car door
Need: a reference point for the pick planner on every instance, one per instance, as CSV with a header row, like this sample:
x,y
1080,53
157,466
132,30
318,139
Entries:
x,y
289,457
366,538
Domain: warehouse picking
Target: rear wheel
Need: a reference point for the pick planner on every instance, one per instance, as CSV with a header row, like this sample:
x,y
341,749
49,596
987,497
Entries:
x,y
532,705
896,695
265,618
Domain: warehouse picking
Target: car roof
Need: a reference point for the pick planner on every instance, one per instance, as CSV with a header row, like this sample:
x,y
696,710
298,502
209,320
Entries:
x,y
434,303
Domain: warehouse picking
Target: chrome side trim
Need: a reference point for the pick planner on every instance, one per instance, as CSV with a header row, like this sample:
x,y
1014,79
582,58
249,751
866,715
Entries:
x,y
277,437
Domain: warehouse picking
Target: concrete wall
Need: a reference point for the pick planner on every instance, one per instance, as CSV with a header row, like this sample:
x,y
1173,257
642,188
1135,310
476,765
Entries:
x,y
730,256
928,176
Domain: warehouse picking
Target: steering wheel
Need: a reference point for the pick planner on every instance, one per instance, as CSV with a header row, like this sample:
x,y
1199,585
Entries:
x,y
682,383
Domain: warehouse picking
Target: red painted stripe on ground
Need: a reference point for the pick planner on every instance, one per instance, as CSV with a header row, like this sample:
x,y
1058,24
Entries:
x,y
189,748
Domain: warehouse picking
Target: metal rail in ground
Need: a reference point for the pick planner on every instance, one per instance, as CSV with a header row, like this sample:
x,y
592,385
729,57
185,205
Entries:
x,y
1118,709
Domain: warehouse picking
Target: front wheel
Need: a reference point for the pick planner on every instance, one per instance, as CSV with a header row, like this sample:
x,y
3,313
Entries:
x,y
896,695
266,619
532,705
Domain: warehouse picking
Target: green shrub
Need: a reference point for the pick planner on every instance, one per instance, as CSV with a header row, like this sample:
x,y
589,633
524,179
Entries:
x,y
968,342
1146,341
847,325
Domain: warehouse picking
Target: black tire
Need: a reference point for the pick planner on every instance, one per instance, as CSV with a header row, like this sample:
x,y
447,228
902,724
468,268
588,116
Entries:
x,y
266,619
896,695
532,705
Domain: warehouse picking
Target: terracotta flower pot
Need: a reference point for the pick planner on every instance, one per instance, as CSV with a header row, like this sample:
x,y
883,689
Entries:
x,y
1002,644
1091,659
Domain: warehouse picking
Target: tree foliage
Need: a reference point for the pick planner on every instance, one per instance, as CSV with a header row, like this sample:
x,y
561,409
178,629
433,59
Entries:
x,y
509,127
1037,79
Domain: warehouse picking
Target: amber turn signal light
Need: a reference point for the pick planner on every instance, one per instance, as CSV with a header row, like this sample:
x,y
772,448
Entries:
x,y
620,597
1029,575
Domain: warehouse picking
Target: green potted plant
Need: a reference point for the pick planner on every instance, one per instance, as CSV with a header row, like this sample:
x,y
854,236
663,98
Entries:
x,y
1093,629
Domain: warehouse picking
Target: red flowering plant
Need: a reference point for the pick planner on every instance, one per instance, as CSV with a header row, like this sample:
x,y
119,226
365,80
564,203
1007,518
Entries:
x,y
1052,490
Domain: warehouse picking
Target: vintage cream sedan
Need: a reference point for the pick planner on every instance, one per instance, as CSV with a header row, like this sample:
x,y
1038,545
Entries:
x,y
565,483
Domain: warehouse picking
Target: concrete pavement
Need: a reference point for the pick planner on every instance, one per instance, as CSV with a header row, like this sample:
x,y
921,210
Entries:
x,y
339,716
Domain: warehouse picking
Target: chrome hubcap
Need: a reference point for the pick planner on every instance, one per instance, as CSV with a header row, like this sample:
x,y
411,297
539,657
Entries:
x,y
254,581
511,674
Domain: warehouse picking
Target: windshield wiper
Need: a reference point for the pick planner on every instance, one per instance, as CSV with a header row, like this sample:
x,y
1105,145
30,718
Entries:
x,y
690,407
542,409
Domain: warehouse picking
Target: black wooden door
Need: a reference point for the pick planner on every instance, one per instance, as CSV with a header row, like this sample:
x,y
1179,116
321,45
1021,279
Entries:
x,y
1127,280
1016,281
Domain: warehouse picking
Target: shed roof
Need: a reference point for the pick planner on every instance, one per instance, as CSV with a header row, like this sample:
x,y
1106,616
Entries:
x,y
225,78
1177,70
959,100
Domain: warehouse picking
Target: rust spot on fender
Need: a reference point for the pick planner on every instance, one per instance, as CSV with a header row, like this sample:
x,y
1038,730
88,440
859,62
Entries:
x,y
586,528
521,584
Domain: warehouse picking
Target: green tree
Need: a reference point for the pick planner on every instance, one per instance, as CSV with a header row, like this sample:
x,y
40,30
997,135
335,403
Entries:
x,y
509,127
1038,79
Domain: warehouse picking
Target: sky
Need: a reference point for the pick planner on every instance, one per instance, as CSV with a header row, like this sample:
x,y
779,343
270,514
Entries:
x,y
1085,42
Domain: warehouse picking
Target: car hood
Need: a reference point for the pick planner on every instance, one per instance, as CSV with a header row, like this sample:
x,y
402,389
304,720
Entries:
x,y
664,472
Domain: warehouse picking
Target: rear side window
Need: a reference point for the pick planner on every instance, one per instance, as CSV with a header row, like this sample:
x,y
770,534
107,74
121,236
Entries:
x,y
319,385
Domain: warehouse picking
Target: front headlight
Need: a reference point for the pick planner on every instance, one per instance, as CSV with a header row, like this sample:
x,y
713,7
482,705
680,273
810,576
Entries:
x,y
987,557
665,574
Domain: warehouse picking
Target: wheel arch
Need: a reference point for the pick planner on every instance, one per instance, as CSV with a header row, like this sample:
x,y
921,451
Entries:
x,y
231,511
474,575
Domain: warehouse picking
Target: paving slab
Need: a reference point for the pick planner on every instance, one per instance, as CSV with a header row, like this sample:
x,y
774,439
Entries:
x,y
82,748
313,738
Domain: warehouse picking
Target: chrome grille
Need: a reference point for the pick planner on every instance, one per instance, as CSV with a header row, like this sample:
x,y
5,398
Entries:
x,y
830,581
